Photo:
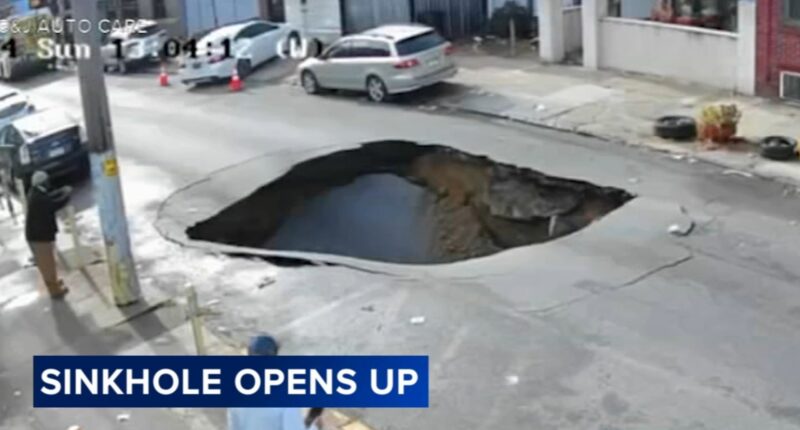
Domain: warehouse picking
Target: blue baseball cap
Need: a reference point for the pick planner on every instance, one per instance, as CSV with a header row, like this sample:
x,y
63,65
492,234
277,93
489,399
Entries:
x,y
262,344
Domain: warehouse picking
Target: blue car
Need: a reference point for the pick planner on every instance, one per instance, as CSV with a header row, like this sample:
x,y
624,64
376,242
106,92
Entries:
x,y
48,140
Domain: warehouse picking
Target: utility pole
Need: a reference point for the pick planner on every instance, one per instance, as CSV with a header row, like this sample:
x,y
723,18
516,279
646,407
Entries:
x,y
103,159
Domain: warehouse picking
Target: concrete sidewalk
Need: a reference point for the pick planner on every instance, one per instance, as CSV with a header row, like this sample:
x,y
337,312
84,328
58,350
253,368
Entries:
x,y
88,323
616,107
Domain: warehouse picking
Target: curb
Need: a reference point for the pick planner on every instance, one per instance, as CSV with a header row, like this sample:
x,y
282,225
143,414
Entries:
x,y
698,155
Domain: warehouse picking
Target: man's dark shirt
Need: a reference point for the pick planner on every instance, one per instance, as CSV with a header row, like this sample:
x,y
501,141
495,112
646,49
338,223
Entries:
x,y
40,223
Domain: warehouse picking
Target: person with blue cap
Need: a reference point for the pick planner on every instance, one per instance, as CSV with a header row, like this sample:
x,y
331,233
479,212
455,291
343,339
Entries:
x,y
269,418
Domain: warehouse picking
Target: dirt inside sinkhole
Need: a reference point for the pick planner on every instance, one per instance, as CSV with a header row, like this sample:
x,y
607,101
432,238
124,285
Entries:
x,y
401,202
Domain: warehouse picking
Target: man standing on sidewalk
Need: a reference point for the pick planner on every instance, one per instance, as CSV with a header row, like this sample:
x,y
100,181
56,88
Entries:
x,y
269,418
41,229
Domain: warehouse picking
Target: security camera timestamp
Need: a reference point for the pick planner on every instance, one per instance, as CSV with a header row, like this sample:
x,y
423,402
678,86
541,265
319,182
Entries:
x,y
173,48
47,48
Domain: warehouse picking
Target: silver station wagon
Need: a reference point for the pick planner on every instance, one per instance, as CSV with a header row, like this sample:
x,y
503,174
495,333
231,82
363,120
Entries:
x,y
383,61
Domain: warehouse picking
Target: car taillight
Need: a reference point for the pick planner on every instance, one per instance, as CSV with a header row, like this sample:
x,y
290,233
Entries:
x,y
449,49
24,155
407,64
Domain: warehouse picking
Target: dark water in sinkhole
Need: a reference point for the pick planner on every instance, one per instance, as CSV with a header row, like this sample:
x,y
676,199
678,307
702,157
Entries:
x,y
377,216
400,202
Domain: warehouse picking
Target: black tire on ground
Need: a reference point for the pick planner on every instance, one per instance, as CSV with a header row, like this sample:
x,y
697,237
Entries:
x,y
315,48
309,82
293,39
676,127
376,89
780,148
244,68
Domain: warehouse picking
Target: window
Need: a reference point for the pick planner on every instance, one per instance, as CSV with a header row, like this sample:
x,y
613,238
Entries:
x,y
791,13
159,9
261,28
714,14
13,109
122,9
370,48
245,33
420,43
11,137
341,50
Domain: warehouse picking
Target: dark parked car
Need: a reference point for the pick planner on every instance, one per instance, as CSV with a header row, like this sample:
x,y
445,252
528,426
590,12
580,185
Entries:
x,y
48,140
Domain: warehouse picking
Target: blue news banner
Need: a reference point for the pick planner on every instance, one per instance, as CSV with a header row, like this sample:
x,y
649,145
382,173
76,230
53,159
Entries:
x,y
230,381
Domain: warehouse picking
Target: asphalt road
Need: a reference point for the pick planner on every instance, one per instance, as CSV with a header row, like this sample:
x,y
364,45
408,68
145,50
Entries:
x,y
622,327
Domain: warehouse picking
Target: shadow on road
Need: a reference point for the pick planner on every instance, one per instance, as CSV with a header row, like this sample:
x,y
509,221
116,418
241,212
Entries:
x,y
272,72
42,79
422,97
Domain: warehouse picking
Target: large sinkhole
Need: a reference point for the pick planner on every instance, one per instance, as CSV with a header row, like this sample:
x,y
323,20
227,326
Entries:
x,y
401,202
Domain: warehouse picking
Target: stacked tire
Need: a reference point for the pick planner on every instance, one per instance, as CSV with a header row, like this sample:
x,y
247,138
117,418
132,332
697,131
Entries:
x,y
675,127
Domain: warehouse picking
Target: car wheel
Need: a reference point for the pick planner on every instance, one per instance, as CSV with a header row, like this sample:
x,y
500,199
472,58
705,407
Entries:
x,y
778,148
244,68
676,127
310,82
376,89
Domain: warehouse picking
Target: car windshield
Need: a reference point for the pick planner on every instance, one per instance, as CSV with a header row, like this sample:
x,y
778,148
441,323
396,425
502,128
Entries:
x,y
420,43
215,38
12,110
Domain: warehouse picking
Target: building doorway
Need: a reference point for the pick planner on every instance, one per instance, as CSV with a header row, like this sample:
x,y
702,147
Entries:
x,y
275,10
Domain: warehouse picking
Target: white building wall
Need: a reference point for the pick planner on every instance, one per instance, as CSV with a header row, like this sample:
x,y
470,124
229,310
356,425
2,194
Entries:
x,y
318,19
746,67
573,29
687,53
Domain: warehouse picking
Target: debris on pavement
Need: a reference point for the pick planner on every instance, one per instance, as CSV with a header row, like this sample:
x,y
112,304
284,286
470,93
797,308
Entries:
x,y
266,282
368,308
634,180
123,417
678,156
212,302
737,173
17,393
681,230
74,427
512,379
417,320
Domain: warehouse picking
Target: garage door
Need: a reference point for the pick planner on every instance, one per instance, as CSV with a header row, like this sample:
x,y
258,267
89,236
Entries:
x,y
453,18
203,15
360,15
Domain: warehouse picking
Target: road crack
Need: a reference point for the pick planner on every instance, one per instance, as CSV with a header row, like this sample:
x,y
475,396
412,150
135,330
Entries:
x,y
630,283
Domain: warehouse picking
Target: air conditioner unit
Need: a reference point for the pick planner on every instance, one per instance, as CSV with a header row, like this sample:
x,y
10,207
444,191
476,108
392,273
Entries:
x,y
790,86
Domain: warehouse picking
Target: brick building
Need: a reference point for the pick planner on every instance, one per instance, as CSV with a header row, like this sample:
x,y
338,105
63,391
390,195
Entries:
x,y
778,53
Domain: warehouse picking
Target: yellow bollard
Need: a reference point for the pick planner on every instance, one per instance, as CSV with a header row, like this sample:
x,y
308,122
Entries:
x,y
76,241
197,323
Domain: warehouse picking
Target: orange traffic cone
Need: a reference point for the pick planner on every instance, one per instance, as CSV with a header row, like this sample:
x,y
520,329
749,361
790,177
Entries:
x,y
163,78
236,82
